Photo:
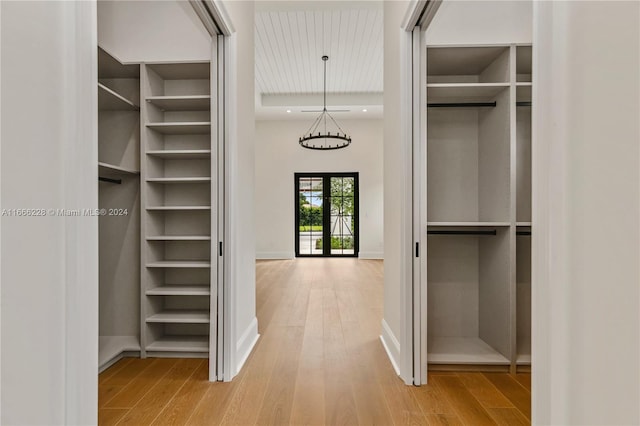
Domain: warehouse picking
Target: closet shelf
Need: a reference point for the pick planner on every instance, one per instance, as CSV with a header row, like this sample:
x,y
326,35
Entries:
x,y
179,180
523,223
180,344
463,350
180,290
179,238
181,317
180,154
105,168
179,264
181,103
464,92
523,359
182,128
177,208
524,84
469,224
109,100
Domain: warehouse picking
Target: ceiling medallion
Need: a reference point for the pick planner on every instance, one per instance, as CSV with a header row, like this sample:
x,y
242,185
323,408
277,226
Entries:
x,y
319,136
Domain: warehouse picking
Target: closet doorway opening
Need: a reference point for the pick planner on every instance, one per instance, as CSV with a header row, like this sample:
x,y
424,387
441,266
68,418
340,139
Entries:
x,y
326,214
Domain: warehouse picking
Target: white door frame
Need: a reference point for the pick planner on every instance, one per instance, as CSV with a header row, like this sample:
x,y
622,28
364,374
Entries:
x,y
413,367
217,22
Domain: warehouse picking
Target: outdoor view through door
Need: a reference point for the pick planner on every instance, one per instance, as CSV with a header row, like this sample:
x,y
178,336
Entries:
x,y
326,214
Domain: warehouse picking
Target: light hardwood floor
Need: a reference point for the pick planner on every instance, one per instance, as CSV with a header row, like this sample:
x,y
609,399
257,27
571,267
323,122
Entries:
x,y
319,361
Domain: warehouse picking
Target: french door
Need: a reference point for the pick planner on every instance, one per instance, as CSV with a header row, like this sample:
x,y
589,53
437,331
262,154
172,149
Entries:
x,y
326,214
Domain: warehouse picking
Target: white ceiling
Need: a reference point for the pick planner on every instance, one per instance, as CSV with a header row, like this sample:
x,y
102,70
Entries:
x,y
291,38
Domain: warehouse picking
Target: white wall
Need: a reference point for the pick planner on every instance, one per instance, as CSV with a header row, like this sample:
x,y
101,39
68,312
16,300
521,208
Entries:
x,y
241,169
50,271
152,30
278,156
586,104
395,180
481,22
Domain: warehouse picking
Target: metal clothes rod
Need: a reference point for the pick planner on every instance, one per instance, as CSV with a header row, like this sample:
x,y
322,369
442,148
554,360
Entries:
x,y
449,232
460,104
109,180
523,103
523,232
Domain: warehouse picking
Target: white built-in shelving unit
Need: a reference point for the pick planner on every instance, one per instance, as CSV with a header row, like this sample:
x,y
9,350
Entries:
x,y
178,187
478,206
119,232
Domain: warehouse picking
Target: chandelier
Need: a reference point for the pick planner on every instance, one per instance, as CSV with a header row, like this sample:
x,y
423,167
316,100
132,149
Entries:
x,y
319,136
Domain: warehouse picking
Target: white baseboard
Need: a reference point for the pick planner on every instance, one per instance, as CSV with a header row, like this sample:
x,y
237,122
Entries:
x,y
371,255
391,345
273,255
246,344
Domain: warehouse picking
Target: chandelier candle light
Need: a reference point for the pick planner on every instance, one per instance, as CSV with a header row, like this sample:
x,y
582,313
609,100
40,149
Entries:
x,y
318,136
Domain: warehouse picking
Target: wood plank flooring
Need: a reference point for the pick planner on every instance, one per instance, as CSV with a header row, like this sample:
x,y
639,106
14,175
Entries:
x,y
319,361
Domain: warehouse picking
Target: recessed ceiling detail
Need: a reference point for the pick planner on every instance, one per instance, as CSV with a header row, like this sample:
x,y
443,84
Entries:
x,y
289,43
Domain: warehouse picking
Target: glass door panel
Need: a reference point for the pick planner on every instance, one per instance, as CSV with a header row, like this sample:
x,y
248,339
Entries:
x,y
326,221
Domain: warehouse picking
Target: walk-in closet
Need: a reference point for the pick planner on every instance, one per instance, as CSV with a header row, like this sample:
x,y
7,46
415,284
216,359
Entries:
x,y
478,194
161,162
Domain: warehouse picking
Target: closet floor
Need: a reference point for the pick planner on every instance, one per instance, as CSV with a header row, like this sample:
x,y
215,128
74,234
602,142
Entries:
x,y
319,361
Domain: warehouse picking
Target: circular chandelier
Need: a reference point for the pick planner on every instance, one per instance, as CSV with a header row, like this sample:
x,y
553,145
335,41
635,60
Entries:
x,y
319,136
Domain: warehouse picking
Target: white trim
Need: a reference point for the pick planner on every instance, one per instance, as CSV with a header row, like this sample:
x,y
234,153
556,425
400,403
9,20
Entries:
x,y
406,237
0,207
245,344
371,255
81,234
420,12
274,255
391,345
220,16
230,237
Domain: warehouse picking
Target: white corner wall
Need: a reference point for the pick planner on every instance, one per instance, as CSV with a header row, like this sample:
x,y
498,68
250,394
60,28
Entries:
x,y
49,314
152,30
278,156
396,191
586,212
481,22
241,171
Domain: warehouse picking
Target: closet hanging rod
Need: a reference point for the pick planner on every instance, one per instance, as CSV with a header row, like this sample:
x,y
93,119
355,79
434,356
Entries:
x,y
523,103
460,104
459,232
109,180
523,232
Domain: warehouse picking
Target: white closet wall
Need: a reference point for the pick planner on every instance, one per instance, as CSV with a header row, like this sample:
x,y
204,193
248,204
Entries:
x,y
119,197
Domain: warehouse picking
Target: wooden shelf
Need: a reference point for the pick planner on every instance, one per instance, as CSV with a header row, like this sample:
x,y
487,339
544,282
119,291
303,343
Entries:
x,y
464,92
469,224
109,100
185,128
110,347
463,350
105,168
179,264
523,223
181,154
177,208
181,103
179,180
180,290
180,344
523,359
179,238
180,317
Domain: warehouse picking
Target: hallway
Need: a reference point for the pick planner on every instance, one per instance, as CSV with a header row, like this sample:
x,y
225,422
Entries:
x,y
319,361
